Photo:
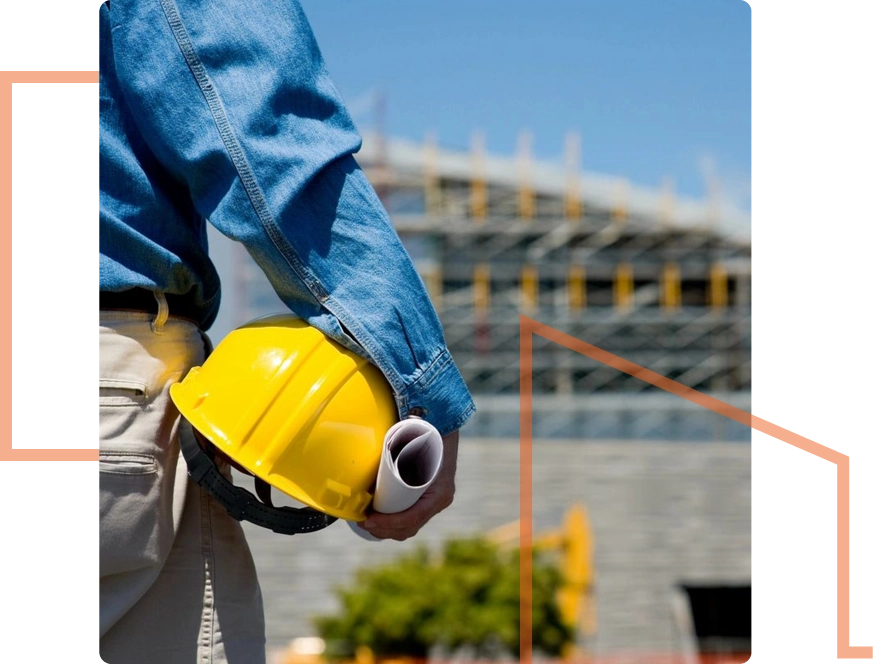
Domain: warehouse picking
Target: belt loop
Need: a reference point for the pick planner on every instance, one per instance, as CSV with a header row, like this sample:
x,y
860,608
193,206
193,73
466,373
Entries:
x,y
162,315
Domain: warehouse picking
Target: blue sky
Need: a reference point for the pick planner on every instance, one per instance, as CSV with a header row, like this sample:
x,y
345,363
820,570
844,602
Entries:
x,y
655,87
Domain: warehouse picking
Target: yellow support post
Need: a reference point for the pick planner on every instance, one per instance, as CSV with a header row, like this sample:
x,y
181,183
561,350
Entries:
x,y
623,286
481,287
527,200
529,288
573,206
577,566
671,287
478,182
718,286
574,542
577,297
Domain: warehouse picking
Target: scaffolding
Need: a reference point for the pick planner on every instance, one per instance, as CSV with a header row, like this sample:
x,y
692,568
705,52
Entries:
x,y
658,279
619,269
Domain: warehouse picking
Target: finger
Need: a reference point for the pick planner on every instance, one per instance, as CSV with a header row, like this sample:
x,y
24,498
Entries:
x,y
390,529
411,518
415,517
397,535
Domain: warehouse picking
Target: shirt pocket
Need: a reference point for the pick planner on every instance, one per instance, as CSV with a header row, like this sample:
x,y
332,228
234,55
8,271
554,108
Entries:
x,y
121,393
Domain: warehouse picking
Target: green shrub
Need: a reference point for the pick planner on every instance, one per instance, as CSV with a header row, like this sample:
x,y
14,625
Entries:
x,y
465,596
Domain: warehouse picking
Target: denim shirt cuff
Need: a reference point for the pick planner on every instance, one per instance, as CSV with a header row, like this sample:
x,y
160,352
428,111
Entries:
x,y
439,395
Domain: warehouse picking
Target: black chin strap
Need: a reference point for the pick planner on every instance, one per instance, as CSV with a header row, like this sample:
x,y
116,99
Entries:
x,y
241,504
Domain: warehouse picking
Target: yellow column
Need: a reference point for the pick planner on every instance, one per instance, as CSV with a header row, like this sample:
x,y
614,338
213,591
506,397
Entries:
x,y
718,286
671,287
529,288
577,298
623,286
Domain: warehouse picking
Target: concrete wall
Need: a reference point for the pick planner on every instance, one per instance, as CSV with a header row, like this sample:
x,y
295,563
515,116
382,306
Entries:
x,y
662,513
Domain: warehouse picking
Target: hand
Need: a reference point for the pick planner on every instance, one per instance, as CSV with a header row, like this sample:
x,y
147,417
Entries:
x,y
439,496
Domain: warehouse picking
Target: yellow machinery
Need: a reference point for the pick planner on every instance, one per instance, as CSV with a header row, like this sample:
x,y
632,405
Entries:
x,y
575,542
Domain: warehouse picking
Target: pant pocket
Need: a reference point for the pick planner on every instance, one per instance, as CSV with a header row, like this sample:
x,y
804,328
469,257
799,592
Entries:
x,y
128,463
136,521
119,392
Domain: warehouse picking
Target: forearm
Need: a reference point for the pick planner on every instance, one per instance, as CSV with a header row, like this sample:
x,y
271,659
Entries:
x,y
234,100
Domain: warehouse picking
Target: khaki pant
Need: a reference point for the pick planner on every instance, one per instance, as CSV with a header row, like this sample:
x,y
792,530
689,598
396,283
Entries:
x,y
177,580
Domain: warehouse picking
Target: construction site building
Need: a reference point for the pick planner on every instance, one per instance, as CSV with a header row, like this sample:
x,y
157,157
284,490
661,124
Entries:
x,y
659,279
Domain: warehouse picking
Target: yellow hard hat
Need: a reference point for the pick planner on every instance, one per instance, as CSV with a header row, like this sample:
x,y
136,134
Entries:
x,y
296,410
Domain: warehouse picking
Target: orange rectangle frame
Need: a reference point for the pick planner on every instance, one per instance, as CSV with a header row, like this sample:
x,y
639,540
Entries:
x,y
7,78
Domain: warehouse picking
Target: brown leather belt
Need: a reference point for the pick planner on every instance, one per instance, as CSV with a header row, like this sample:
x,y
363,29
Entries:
x,y
143,301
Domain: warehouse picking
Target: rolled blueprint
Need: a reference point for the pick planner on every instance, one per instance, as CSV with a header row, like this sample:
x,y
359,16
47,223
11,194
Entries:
x,y
411,459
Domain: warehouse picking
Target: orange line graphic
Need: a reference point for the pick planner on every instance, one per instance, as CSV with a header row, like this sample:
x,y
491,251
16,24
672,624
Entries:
x,y
528,327
7,78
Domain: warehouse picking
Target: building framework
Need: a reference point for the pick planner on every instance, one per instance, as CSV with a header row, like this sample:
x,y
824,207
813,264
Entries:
x,y
661,280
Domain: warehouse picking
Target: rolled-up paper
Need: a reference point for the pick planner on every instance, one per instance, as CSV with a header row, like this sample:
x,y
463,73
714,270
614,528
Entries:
x,y
411,459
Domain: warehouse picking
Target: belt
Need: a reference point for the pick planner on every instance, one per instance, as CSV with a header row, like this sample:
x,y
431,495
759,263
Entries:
x,y
143,300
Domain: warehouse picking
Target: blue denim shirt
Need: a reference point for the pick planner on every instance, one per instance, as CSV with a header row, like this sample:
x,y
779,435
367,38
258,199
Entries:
x,y
223,110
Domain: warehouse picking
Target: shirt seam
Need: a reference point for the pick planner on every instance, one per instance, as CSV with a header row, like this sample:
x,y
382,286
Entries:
x,y
429,373
235,151
256,196
259,205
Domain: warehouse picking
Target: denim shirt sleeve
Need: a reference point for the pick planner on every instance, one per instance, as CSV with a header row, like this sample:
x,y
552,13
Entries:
x,y
234,100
